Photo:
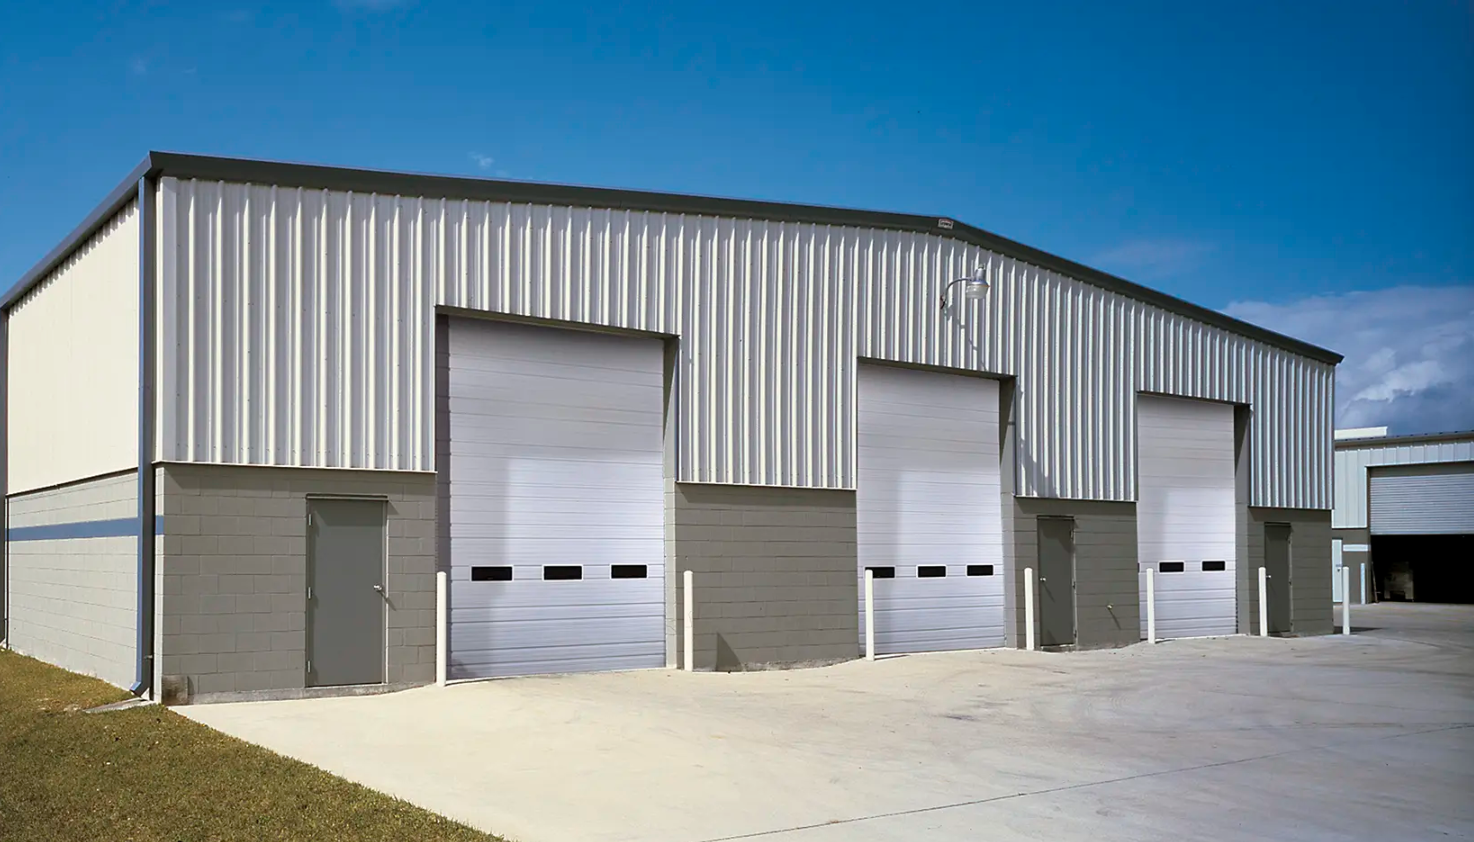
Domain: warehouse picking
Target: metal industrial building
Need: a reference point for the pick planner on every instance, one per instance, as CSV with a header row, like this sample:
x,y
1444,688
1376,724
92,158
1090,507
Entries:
x,y
341,381
1404,516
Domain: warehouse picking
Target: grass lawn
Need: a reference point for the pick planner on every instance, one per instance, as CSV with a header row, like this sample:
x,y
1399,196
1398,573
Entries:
x,y
150,774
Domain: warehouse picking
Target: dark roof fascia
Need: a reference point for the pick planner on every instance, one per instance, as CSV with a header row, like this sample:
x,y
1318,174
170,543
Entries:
x,y
313,176
125,192
1399,441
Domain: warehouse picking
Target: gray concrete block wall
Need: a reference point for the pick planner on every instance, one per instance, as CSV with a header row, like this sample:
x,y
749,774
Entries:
x,y
1107,591
1311,606
775,574
234,574
74,601
156,683
673,606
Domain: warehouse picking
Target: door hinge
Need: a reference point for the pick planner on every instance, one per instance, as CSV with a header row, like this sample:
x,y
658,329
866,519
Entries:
x,y
309,518
309,592
309,665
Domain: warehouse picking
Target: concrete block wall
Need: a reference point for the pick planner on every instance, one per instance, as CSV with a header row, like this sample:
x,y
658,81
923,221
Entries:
x,y
234,574
74,600
1311,608
1107,592
775,571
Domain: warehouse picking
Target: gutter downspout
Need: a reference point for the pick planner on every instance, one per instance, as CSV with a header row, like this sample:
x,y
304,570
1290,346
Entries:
x,y
144,674
5,479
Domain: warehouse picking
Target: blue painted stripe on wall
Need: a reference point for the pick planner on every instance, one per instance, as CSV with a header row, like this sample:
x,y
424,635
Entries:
x,y
123,527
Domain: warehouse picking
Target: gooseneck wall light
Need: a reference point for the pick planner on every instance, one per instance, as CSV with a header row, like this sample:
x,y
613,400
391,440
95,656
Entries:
x,y
974,286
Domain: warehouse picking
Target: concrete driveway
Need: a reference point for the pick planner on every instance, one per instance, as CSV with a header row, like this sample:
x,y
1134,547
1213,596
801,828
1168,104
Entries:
x,y
1367,737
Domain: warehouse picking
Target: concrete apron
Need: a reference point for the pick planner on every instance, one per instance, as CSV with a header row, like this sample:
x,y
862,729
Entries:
x,y
1228,738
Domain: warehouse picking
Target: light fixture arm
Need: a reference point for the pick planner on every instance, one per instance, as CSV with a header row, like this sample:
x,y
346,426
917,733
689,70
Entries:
x,y
978,278
947,290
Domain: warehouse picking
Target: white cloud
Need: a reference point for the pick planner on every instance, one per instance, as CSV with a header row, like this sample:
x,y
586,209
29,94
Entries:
x,y
1409,352
482,161
1154,259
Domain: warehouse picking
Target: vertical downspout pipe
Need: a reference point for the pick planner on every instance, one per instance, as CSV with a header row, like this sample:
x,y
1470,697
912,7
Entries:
x,y
144,674
5,476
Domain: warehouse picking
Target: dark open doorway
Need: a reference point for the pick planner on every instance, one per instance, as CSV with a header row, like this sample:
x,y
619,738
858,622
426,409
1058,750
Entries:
x,y
1424,568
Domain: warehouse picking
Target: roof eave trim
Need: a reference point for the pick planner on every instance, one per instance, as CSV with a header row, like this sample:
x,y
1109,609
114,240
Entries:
x,y
1398,441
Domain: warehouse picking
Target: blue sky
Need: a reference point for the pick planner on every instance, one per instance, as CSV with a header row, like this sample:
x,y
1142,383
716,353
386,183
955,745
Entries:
x,y
1304,165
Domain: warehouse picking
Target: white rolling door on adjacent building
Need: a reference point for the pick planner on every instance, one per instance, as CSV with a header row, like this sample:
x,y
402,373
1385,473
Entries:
x,y
1185,514
928,509
1433,499
554,479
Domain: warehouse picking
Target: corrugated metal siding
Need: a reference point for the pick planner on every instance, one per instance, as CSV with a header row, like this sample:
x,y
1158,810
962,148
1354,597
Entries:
x,y
72,384
287,294
1350,511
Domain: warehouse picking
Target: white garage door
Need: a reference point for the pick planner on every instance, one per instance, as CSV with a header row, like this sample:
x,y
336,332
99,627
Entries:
x,y
553,471
1185,514
1423,499
928,509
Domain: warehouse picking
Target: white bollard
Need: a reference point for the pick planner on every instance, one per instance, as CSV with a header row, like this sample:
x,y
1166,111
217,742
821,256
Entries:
x,y
690,623
1346,603
1029,608
869,615
1263,602
442,626
1363,583
1151,605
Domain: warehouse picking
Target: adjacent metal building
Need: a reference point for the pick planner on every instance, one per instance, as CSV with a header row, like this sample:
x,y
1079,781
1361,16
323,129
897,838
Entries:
x,y
566,397
1404,516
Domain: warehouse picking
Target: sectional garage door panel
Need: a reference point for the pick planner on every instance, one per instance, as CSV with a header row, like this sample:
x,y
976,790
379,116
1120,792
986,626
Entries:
x,y
928,501
1423,499
936,615
1192,603
554,460
1185,514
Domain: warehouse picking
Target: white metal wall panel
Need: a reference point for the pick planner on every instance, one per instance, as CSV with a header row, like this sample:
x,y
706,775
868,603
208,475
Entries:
x,y
1338,561
1423,499
929,495
1352,463
278,350
72,385
1185,513
555,458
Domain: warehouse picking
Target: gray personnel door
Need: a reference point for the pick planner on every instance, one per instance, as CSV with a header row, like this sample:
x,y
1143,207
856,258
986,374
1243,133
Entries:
x,y
345,592
1277,565
1056,581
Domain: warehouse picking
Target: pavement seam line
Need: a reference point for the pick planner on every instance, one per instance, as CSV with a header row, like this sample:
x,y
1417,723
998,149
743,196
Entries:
x,y
1085,785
